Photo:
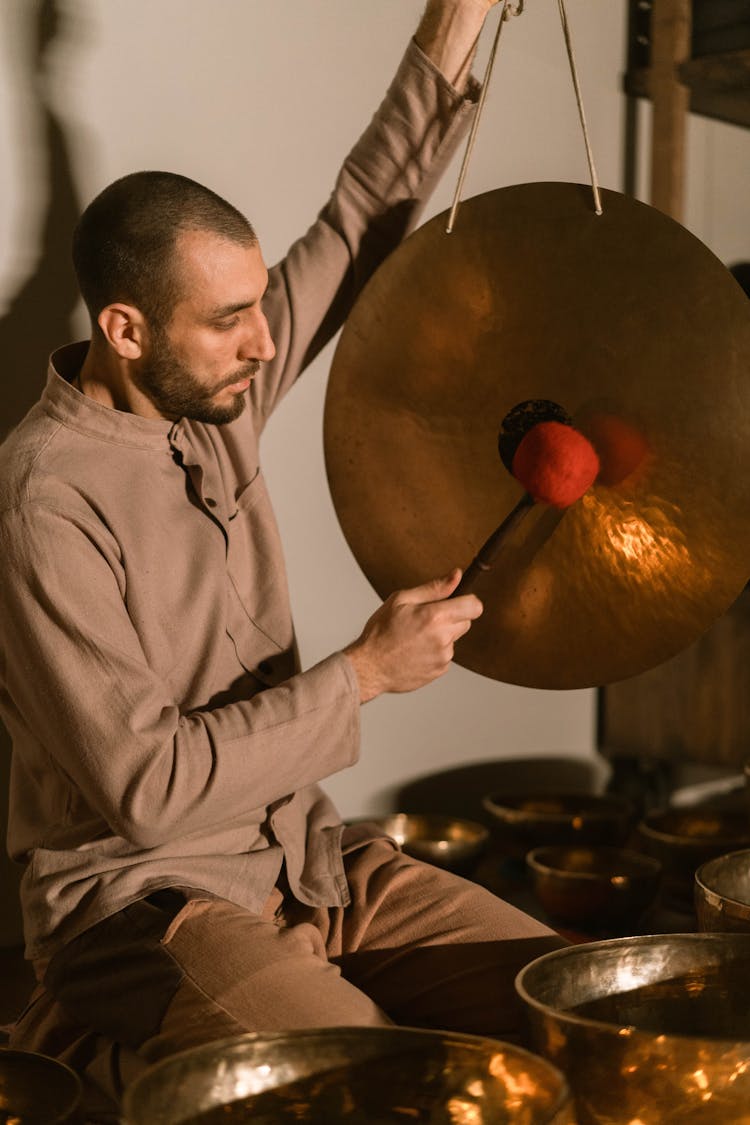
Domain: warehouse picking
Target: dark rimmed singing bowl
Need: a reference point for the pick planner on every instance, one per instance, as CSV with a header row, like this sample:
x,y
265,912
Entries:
x,y
356,1075
722,893
684,839
649,1029
523,821
601,888
38,1090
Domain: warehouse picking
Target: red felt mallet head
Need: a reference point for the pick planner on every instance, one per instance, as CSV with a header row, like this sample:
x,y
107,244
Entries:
x,y
555,463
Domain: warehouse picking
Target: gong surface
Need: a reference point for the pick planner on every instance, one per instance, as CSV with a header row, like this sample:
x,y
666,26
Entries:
x,y
624,320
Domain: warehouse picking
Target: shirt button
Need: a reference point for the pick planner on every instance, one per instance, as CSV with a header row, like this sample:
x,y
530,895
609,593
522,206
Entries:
x,y
210,502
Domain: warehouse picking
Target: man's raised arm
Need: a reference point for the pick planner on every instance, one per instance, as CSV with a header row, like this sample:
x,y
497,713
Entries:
x,y
448,34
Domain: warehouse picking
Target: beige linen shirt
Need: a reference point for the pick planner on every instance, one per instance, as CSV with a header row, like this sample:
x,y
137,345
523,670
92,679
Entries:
x,y
162,731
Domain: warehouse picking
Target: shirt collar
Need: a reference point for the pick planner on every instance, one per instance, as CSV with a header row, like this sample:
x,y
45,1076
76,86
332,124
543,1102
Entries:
x,y
82,413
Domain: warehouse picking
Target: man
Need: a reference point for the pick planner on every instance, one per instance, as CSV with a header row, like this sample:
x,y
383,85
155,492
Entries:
x,y
187,879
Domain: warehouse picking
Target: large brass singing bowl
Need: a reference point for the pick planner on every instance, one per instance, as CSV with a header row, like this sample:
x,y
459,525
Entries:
x,y
633,327
357,1075
651,1030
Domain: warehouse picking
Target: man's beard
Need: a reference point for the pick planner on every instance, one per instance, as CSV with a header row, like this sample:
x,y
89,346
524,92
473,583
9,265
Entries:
x,y
177,393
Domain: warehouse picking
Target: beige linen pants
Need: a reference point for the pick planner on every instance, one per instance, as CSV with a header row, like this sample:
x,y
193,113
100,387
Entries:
x,y
417,946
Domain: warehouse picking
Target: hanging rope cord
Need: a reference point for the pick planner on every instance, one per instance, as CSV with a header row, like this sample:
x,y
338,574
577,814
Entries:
x,y
581,111
508,11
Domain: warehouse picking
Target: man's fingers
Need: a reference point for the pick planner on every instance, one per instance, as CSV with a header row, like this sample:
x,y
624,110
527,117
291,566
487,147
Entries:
x,y
468,607
456,629
462,629
436,590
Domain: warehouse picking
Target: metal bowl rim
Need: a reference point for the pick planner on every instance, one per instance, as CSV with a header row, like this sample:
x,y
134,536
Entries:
x,y
649,865
479,830
650,831
620,942
56,1067
700,877
605,805
226,1045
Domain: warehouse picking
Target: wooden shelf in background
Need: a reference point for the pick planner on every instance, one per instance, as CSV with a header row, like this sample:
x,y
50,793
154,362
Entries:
x,y
719,85
695,707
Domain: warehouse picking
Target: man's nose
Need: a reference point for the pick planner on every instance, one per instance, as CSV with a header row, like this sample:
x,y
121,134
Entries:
x,y
257,342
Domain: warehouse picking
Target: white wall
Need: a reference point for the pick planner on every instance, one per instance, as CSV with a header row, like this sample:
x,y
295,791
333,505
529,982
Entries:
x,y
260,99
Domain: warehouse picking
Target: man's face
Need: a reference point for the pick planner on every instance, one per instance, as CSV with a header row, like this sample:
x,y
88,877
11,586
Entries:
x,y
200,365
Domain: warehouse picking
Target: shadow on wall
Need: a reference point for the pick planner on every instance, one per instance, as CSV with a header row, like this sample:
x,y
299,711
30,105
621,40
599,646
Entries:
x,y
38,319
39,316
459,791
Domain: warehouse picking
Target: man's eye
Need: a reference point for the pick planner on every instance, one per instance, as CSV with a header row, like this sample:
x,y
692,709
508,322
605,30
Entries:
x,y
225,325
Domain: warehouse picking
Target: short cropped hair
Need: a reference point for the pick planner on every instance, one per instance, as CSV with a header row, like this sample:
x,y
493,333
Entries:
x,y
123,244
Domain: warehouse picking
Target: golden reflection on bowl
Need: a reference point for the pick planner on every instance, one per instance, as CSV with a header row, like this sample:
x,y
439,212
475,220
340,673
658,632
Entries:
x,y
450,842
357,1075
722,893
652,1029
600,888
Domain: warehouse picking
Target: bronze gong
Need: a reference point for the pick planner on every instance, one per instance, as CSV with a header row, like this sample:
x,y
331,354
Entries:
x,y
633,327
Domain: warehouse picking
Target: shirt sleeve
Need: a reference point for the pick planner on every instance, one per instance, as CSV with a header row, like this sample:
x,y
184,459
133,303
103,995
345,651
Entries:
x,y
80,698
379,195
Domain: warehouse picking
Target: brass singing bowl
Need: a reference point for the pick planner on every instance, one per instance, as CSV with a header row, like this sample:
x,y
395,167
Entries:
x,y
453,843
522,821
649,1029
642,336
722,893
683,839
600,887
357,1075
38,1090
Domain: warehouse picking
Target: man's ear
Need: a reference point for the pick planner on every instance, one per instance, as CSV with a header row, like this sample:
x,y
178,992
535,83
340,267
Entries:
x,y
124,329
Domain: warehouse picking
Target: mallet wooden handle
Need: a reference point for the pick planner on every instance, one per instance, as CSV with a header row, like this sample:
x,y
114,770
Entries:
x,y
485,558
555,464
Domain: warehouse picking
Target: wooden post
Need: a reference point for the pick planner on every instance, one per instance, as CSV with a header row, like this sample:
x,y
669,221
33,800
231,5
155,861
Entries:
x,y
671,30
